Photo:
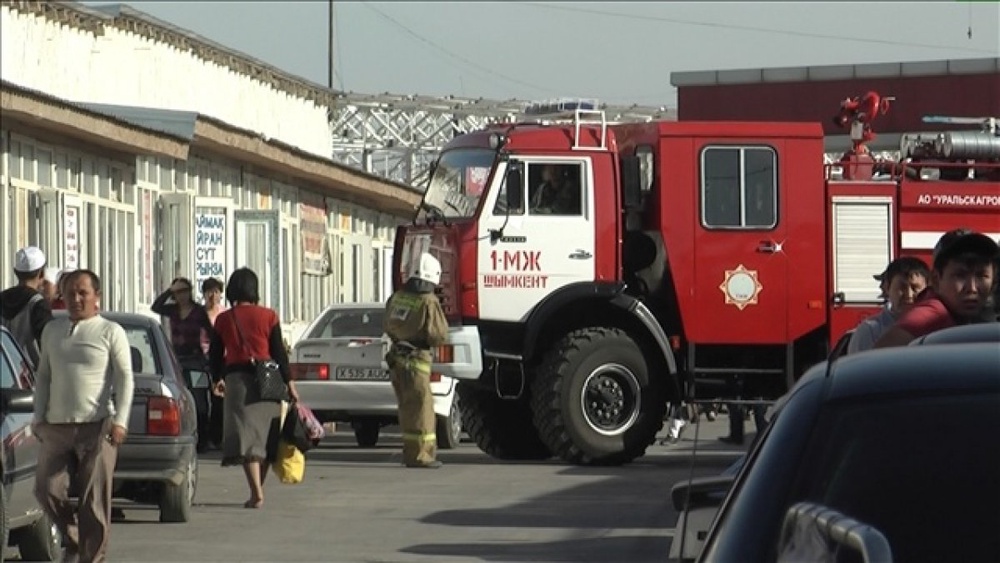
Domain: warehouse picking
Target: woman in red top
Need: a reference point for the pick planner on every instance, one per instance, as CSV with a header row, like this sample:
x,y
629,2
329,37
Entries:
x,y
250,425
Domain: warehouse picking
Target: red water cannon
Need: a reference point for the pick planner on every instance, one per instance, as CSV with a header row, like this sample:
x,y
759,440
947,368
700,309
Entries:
x,y
857,114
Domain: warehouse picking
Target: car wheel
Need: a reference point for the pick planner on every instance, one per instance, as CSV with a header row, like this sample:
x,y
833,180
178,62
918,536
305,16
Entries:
x,y
41,541
449,428
175,504
366,433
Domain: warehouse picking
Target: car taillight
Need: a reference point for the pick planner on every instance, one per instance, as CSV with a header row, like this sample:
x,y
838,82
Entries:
x,y
163,417
435,377
310,371
444,354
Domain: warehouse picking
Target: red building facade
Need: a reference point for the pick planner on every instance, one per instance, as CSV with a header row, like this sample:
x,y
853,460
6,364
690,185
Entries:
x,y
957,88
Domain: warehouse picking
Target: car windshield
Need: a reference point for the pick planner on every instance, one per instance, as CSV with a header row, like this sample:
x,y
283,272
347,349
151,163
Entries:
x,y
458,182
337,323
930,487
144,359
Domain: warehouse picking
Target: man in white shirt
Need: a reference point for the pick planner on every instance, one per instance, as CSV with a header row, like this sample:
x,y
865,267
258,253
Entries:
x,y
81,416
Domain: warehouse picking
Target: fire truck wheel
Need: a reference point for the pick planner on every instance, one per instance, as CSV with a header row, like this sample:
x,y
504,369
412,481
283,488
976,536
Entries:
x,y
502,428
594,400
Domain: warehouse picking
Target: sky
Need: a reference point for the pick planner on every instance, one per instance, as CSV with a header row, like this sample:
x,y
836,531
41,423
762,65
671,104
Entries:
x,y
616,52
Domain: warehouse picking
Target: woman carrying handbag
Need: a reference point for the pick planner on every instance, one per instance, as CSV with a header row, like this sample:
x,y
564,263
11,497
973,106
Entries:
x,y
246,352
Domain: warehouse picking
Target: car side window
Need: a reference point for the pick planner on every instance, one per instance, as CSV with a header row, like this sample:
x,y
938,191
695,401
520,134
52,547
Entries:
x,y
555,188
14,365
141,342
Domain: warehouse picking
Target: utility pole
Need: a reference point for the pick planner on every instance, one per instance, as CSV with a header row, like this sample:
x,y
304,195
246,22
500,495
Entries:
x,y
330,44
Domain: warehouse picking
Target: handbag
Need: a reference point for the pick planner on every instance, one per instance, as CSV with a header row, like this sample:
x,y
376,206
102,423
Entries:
x,y
301,428
270,385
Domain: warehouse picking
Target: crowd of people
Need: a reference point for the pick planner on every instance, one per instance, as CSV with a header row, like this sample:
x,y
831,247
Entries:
x,y
81,416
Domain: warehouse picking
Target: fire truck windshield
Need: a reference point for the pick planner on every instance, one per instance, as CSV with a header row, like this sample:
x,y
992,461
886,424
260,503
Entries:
x,y
457,183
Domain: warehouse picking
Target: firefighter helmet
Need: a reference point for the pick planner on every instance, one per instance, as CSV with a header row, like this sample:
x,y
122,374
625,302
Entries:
x,y
428,269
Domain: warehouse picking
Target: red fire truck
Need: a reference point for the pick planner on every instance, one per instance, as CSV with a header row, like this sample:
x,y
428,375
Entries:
x,y
670,252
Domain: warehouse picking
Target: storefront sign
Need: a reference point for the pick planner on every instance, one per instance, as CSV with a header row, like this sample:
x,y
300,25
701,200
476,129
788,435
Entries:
x,y
315,244
71,224
209,247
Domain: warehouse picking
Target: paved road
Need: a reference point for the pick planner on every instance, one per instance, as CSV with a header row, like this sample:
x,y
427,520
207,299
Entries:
x,y
361,505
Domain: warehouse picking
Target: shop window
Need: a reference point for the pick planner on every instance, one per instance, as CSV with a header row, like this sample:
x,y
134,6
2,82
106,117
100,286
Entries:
x,y
103,180
331,215
75,172
43,159
89,176
14,158
128,190
180,173
62,170
116,189
204,180
216,187
164,173
28,162
153,171
142,168
739,187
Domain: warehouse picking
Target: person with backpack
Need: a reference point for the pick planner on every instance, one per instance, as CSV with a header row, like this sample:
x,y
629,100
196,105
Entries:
x,y
23,308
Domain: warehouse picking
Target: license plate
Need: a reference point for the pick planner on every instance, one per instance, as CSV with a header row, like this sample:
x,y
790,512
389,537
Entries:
x,y
361,374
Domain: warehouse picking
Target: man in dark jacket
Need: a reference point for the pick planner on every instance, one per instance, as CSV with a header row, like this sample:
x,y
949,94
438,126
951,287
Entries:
x,y
23,308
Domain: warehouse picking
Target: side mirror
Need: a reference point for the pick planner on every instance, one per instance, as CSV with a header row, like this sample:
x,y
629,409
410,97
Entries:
x,y
18,401
515,189
631,174
810,532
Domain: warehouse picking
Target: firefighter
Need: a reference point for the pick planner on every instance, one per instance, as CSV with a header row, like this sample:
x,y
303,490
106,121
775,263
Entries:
x,y
416,323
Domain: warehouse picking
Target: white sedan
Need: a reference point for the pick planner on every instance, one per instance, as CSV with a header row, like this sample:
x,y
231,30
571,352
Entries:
x,y
340,371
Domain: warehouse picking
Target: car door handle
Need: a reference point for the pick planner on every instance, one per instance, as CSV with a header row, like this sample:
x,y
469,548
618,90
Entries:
x,y
580,254
769,247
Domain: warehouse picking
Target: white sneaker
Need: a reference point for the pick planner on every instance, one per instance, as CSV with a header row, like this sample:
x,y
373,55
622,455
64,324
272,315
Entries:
x,y
676,427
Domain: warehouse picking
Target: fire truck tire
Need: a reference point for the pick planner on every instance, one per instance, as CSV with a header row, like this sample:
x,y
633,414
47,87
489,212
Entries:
x,y
500,427
594,401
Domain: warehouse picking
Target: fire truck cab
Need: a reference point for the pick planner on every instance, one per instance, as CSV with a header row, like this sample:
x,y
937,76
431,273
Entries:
x,y
591,269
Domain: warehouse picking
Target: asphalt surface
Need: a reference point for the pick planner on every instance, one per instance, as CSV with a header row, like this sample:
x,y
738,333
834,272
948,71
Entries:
x,y
361,505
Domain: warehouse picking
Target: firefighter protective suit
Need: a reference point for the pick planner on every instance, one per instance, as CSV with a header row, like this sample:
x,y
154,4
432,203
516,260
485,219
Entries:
x,y
415,323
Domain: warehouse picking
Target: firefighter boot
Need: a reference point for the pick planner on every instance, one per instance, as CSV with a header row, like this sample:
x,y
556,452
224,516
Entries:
x,y
411,379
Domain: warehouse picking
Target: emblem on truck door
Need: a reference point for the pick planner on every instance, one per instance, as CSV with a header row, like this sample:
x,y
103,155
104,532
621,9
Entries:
x,y
741,287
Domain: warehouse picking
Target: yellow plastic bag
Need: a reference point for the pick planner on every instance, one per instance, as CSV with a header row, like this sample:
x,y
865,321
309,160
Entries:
x,y
290,467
